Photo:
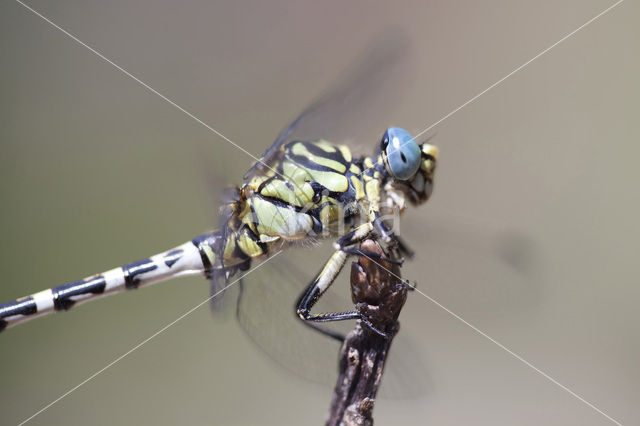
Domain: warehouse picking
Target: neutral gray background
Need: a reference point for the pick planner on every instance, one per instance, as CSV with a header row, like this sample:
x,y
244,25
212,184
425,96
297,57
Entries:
x,y
532,231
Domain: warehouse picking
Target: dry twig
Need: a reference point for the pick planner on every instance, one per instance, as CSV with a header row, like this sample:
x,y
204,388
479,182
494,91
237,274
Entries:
x,y
378,294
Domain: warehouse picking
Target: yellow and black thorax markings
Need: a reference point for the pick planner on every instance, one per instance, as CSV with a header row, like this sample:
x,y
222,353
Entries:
x,y
329,169
317,185
311,188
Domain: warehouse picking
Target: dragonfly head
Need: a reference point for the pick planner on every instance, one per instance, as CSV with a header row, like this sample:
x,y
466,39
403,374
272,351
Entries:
x,y
410,165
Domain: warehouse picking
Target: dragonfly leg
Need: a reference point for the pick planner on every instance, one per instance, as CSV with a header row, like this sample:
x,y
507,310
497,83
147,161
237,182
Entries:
x,y
312,319
404,248
396,245
319,285
371,255
355,236
317,288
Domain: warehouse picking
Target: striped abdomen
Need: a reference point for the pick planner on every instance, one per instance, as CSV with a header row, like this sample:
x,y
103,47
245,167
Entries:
x,y
185,259
218,255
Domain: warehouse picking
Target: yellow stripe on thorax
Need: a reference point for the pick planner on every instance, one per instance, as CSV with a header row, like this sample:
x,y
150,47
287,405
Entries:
x,y
335,182
357,185
295,194
247,245
278,220
325,145
300,149
372,189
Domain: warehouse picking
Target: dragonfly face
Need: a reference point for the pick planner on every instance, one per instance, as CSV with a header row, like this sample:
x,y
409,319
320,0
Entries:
x,y
411,167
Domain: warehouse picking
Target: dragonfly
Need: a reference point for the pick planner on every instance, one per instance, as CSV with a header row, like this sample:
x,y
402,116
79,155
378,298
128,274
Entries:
x,y
299,191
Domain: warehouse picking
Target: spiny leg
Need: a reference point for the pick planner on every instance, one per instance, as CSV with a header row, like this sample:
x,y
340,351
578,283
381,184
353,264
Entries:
x,y
314,292
404,248
397,247
323,281
371,255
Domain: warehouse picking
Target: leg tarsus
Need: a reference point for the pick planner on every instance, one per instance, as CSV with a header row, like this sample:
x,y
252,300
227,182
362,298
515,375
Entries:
x,y
385,233
310,319
373,328
325,278
404,247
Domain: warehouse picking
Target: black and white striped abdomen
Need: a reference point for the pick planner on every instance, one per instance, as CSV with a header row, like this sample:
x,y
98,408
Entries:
x,y
183,260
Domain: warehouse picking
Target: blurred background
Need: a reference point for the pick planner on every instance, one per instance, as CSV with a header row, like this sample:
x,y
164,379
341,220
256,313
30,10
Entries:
x,y
531,234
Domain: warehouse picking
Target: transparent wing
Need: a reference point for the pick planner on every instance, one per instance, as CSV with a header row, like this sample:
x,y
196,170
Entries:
x,y
484,267
356,108
266,304
266,312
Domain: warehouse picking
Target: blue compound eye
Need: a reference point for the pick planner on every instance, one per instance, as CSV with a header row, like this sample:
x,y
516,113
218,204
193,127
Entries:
x,y
402,153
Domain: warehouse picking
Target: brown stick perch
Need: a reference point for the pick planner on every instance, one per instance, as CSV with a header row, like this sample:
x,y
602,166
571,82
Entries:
x,y
378,295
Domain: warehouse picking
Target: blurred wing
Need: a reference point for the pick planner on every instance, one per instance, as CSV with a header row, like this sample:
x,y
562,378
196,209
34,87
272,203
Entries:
x,y
484,268
358,105
222,190
266,312
266,303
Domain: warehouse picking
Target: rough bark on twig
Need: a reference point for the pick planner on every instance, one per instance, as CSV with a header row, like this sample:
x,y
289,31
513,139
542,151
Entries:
x,y
378,294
